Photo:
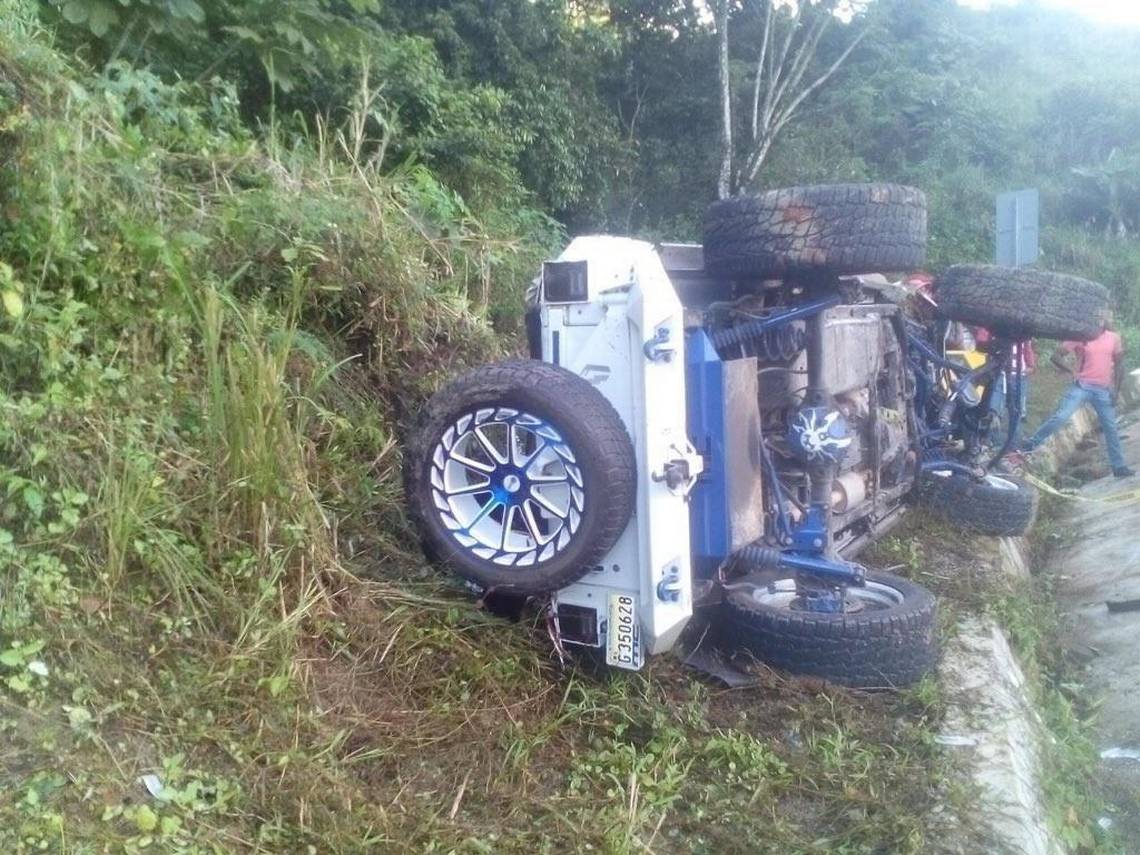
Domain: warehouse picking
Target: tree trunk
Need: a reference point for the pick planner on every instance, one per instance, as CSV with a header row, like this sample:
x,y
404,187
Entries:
x,y
724,180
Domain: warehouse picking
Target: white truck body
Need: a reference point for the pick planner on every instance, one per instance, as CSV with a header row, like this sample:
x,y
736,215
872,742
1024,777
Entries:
x,y
627,339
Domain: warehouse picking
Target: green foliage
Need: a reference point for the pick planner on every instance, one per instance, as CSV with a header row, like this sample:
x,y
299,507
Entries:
x,y
290,40
550,66
1116,263
206,349
239,242
640,782
604,113
1107,193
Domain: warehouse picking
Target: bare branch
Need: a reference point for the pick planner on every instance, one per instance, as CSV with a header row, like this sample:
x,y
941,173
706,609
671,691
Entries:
x,y
760,68
783,62
776,67
803,58
756,159
781,118
823,78
638,93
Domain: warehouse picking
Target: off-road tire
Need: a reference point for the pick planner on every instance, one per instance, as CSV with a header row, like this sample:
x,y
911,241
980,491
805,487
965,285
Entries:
x,y
888,648
1020,303
591,428
981,506
830,228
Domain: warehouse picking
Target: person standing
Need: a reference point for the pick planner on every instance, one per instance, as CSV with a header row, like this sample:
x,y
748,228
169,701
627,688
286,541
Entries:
x,y
1004,383
1096,381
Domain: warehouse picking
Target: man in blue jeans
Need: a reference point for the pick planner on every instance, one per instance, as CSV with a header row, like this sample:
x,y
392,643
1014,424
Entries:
x,y
1100,369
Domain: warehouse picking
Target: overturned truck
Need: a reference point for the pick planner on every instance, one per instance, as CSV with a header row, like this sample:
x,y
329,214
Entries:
x,y
720,429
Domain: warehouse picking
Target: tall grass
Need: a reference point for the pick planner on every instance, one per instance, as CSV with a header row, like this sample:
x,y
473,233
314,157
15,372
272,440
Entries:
x,y
201,397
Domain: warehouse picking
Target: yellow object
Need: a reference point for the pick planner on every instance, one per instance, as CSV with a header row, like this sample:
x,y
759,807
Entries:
x,y
972,358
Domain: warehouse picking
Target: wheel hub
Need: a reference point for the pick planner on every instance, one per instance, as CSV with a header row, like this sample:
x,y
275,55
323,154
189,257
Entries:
x,y
784,594
507,486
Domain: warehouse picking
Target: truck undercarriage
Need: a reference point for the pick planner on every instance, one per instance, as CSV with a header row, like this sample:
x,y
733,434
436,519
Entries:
x,y
723,428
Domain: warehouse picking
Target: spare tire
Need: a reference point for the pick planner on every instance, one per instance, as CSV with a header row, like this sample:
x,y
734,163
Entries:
x,y
829,228
1019,302
887,639
996,505
519,476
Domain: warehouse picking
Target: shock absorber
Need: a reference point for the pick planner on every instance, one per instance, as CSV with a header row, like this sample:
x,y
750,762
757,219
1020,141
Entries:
x,y
768,343
754,329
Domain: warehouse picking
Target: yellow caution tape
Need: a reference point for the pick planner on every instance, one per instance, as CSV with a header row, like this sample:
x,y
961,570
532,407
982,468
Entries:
x,y
1115,498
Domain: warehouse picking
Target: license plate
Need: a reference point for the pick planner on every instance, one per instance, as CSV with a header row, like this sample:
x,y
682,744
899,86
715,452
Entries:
x,y
623,638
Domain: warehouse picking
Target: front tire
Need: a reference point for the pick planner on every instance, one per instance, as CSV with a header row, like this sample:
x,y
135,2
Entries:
x,y
995,505
519,477
885,639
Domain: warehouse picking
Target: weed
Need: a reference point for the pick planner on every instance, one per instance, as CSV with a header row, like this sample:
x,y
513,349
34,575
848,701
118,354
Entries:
x,y
907,552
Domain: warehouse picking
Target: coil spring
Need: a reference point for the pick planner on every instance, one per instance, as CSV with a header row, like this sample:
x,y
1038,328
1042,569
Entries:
x,y
777,344
755,556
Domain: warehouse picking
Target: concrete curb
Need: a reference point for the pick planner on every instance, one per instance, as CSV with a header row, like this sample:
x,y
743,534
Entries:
x,y
990,716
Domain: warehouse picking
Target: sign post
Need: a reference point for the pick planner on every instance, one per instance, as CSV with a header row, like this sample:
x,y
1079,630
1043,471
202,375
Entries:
x,y
1018,215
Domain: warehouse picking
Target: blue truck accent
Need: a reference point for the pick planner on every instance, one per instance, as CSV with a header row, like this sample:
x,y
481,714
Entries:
x,y
710,534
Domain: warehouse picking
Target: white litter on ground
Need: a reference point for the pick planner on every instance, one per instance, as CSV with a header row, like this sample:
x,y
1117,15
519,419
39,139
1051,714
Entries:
x,y
955,740
153,785
1120,754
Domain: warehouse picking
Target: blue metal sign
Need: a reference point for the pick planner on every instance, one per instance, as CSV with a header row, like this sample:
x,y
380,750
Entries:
x,y
1018,214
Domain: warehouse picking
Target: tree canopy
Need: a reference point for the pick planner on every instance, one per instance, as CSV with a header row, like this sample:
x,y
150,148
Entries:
x,y
606,113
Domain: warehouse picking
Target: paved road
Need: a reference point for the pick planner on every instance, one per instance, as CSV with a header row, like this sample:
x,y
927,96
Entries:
x,y
1103,564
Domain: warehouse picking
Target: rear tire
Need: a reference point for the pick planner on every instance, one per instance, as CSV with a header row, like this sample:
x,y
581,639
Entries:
x,y
1020,303
998,505
831,228
519,477
889,644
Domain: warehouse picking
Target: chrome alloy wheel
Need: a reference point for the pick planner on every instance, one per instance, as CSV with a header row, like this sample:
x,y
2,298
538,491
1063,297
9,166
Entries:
x,y
507,486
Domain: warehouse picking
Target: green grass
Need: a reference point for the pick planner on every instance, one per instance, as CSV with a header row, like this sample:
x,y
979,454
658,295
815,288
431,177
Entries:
x,y
1047,386
204,568
205,573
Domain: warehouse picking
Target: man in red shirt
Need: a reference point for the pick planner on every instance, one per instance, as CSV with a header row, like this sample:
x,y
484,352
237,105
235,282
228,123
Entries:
x,y
1100,369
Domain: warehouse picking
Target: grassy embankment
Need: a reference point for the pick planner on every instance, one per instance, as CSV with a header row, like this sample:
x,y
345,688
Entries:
x,y
209,342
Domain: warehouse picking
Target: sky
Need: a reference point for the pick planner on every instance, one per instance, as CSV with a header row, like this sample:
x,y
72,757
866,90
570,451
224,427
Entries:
x,y
1120,12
